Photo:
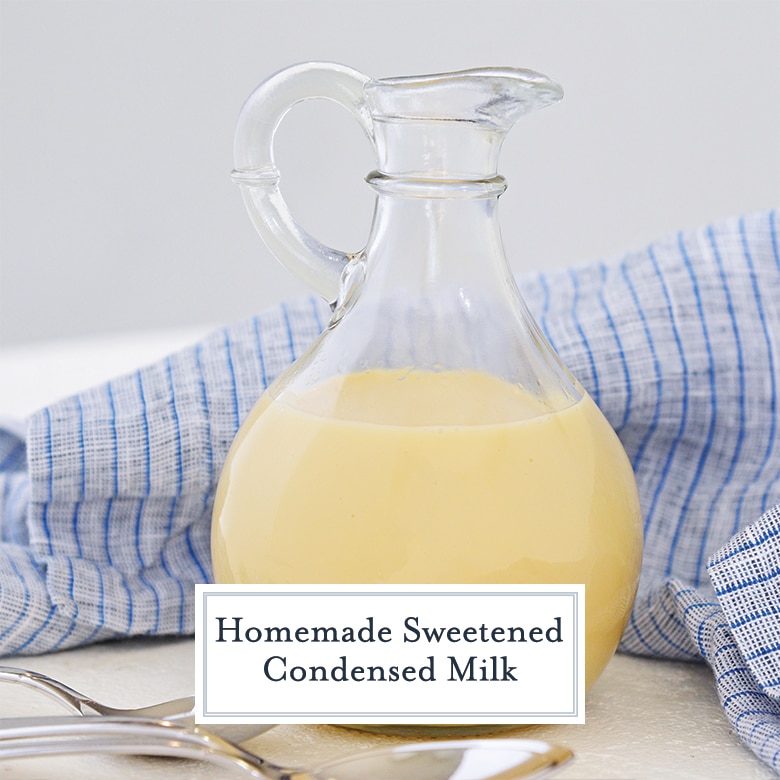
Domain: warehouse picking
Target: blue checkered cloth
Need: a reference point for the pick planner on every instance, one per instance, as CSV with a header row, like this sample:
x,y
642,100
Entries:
x,y
106,506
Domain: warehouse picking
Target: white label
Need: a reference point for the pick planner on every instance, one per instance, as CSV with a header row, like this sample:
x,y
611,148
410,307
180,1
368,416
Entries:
x,y
395,654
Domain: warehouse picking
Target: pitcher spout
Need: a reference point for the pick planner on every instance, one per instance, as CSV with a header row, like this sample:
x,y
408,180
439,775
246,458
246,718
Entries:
x,y
495,96
451,125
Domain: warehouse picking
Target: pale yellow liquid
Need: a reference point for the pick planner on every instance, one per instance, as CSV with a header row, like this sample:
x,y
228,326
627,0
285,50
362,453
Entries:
x,y
424,477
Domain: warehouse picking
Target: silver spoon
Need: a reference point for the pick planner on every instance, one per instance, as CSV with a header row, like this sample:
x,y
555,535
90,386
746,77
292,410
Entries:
x,y
486,759
181,711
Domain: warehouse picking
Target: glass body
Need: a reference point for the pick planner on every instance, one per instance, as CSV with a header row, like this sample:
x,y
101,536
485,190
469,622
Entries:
x,y
431,434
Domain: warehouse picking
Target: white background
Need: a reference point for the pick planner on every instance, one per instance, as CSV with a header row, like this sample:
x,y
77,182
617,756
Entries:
x,y
117,212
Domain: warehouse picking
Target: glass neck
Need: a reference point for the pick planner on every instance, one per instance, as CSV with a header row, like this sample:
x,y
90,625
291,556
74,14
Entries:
x,y
441,150
436,216
436,238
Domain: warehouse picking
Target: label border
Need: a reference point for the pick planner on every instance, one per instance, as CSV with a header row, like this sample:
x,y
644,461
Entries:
x,y
208,591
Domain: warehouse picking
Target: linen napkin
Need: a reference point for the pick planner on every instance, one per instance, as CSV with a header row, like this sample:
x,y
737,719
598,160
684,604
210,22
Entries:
x,y
106,516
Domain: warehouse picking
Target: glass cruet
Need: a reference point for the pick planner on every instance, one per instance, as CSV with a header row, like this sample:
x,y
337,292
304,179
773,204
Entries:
x,y
431,434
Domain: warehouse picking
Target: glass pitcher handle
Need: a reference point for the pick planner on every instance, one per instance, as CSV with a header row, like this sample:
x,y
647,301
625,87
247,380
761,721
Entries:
x,y
257,175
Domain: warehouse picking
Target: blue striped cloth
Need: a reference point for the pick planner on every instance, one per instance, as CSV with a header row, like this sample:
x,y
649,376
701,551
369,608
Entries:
x,y
105,508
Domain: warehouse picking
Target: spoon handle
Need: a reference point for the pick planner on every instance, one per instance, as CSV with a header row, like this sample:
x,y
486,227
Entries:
x,y
71,699
180,711
39,736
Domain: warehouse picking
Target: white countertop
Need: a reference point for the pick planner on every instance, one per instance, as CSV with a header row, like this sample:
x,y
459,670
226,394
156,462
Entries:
x,y
645,719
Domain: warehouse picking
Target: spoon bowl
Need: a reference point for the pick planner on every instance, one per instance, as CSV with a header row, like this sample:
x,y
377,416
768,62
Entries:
x,y
474,759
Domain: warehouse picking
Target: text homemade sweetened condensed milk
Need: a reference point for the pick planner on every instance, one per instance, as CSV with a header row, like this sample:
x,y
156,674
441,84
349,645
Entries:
x,y
468,668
